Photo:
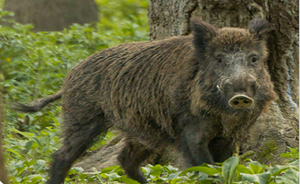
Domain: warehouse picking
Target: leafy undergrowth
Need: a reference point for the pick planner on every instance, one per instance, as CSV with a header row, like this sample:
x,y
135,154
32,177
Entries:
x,y
228,172
34,65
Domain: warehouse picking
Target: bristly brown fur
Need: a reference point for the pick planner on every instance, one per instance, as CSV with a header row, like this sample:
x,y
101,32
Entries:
x,y
173,91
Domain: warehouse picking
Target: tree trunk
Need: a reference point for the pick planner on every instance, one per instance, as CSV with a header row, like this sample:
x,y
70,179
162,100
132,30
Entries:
x,y
3,173
273,131
53,15
276,130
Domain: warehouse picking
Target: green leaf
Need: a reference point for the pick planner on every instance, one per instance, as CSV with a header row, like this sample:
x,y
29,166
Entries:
x,y
170,169
206,170
291,176
278,169
25,134
175,181
110,169
243,169
294,153
174,175
259,178
202,176
127,180
111,175
15,152
294,164
83,176
29,162
156,170
255,169
36,178
206,182
229,169
104,175
147,169
71,171
29,144
39,164
78,169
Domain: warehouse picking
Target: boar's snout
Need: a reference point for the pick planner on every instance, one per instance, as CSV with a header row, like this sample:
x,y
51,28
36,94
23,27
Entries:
x,y
240,101
240,92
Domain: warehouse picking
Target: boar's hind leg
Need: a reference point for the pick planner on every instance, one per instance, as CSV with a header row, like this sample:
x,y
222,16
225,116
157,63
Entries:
x,y
131,157
78,137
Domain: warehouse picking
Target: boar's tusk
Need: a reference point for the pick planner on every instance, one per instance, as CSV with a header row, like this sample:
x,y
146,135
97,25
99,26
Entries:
x,y
219,88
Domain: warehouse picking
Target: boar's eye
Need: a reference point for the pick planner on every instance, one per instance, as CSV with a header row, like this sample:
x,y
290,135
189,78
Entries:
x,y
219,58
254,59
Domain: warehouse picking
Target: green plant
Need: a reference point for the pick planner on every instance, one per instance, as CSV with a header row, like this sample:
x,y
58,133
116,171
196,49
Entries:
x,y
229,172
293,154
34,65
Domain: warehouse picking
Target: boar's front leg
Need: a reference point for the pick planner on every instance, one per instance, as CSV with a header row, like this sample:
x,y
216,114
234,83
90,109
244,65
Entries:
x,y
196,135
221,148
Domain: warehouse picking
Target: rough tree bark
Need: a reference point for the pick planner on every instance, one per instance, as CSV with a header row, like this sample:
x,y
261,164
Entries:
x,y
3,173
53,15
277,129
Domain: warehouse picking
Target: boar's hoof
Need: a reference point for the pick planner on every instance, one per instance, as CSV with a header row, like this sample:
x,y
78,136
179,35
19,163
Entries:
x,y
240,102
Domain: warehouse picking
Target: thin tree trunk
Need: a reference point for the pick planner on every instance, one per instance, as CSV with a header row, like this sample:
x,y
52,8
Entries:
x,y
3,173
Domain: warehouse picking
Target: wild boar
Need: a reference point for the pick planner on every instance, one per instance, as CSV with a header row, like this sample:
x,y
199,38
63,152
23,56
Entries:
x,y
198,93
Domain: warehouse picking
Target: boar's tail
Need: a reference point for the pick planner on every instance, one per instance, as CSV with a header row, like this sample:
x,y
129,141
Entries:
x,y
37,105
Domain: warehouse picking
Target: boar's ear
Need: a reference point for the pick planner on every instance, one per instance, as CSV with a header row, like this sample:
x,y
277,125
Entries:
x,y
203,32
260,28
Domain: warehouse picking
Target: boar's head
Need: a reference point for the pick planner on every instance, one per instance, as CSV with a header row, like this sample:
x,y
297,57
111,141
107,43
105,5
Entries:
x,y
232,75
